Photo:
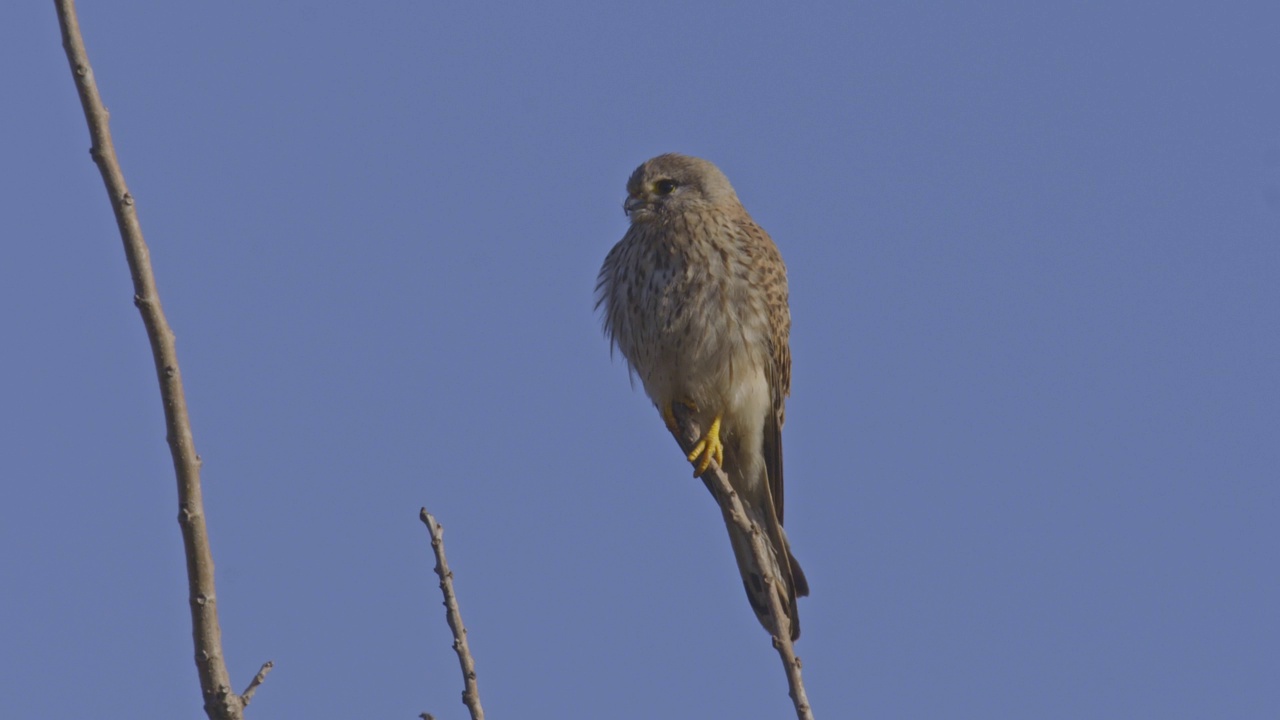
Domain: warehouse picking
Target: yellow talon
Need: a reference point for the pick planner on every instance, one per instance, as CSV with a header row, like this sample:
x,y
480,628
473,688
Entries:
x,y
669,417
707,449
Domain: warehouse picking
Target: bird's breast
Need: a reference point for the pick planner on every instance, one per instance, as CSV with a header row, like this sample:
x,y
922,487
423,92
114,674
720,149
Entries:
x,y
686,320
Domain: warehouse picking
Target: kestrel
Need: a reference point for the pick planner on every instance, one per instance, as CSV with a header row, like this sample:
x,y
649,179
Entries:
x,y
695,298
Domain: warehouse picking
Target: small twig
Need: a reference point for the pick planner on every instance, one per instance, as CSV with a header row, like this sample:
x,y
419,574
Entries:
x,y
247,695
471,690
220,702
718,483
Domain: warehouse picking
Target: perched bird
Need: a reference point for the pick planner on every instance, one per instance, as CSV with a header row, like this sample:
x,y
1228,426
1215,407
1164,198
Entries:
x,y
695,298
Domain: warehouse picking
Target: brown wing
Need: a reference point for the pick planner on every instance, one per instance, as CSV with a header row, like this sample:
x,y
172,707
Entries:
x,y
779,375
779,371
772,449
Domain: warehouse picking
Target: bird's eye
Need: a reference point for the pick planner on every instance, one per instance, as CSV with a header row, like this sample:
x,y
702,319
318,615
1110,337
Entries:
x,y
665,187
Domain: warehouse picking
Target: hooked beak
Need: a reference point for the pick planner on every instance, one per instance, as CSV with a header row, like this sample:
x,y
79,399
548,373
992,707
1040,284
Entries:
x,y
632,203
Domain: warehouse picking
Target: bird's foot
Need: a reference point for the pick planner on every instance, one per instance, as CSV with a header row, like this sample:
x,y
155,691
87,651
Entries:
x,y
669,416
708,448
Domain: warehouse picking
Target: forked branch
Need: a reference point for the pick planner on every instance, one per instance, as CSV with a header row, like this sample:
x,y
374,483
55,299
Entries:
x,y
220,701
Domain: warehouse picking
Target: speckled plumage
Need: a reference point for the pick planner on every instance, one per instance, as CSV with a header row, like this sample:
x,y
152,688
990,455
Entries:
x,y
695,298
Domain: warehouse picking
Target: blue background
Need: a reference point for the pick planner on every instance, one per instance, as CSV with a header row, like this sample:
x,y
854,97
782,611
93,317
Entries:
x,y
1034,437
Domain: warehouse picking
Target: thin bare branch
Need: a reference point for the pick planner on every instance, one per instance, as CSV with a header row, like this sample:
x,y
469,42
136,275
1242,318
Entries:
x,y
718,483
471,690
257,680
220,702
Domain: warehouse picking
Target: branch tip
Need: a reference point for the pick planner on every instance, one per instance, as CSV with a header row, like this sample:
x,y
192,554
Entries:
x,y
256,682
471,690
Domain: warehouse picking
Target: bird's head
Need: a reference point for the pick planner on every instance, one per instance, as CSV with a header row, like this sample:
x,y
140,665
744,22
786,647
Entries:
x,y
671,184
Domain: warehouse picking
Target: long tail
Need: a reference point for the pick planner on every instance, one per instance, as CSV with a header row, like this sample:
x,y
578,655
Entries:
x,y
791,578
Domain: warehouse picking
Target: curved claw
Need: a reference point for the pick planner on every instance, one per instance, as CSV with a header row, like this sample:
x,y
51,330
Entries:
x,y
708,448
669,417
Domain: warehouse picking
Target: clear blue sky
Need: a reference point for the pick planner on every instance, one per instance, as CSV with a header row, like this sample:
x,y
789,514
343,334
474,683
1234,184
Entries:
x,y
1034,439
